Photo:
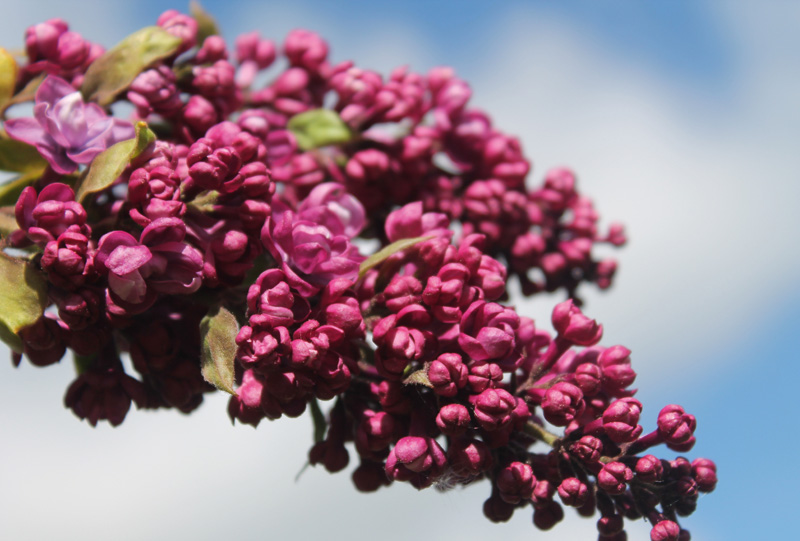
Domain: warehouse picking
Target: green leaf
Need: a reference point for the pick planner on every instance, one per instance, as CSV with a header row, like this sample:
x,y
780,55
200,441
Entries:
x,y
116,69
23,298
8,76
320,425
379,257
20,157
109,164
319,128
206,25
218,334
419,377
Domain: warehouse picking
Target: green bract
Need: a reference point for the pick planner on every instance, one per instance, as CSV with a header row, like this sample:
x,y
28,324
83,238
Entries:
x,y
23,298
218,334
319,128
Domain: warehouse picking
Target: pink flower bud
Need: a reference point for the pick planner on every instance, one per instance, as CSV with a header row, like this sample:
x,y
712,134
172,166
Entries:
x,y
677,427
572,325
573,492
562,403
181,26
615,362
649,469
484,375
493,408
620,420
416,459
705,473
588,449
468,457
614,477
448,374
516,482
453,420
666,530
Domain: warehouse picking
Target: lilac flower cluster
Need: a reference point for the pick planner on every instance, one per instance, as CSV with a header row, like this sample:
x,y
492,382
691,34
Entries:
x,y
222,247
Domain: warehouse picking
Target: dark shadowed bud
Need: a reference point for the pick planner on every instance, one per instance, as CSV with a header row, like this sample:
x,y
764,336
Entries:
x,y
666,530
573,492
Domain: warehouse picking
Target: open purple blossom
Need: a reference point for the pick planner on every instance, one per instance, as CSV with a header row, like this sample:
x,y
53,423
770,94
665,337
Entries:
x,y
65,130
159,262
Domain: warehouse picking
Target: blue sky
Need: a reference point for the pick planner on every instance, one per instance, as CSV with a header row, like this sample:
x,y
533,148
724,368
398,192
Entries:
x,y
681,120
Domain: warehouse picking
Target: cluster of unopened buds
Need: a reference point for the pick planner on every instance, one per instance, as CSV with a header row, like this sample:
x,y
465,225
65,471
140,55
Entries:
x,y
218,238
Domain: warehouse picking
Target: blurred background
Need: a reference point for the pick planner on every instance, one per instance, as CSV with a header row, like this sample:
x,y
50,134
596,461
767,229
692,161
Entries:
x,y
682,121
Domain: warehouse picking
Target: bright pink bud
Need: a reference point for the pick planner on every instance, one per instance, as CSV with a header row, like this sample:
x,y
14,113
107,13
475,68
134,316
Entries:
x,y
516,482
677,428
573,492
493,408
615,362
614,477
562,403
588,449
666,530
620,420
453,419
649,469
448,374
469,457
181,26
305,49
572,325
705,473
416,459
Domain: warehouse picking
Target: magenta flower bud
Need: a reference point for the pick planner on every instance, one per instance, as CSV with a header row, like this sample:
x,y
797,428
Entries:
x,y
610,525
468,457
250,47
649,469
516,482
453,420
65,130
677,427
493,408
572,325
620,420
448,374
573,492
588,377
666,530
416,459
704,472
483,376
497,510
305,49
402,291
615,362
41,40
614,477
104,392
409,222
44,218
562,403
272,303
67,259
181,26
214,48
374,432
547,516
199,114
448,292
154,90
588,449
487,331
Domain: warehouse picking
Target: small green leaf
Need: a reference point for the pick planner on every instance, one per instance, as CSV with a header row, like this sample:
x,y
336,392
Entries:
x,y
319,128
117,68
418,377
206,25
218,333
8,76
379,257
320,425
109,164
20,157
23,298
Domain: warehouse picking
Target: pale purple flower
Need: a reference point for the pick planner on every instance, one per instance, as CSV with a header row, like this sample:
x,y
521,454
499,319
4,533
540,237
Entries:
x,y
65,130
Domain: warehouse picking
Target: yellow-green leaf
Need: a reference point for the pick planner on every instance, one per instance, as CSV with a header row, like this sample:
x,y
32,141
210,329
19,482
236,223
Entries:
x,y
8,221
20,157
319,128
117,68
8,76
218,334
109,164
9,192
206,25
379,257
23,298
